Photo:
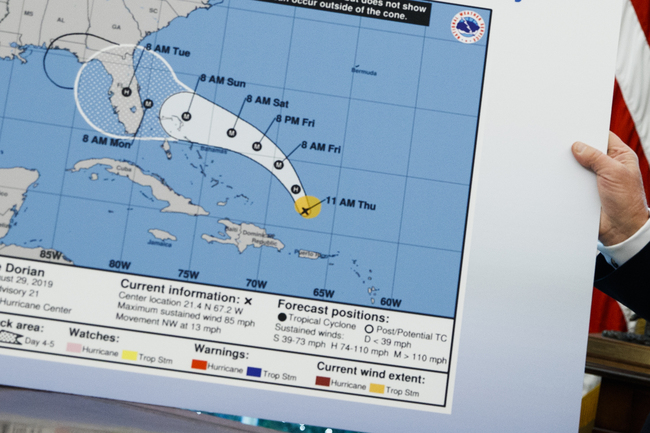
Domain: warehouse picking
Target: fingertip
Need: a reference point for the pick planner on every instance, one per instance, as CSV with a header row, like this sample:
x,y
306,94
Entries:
x,y
587,156
578,147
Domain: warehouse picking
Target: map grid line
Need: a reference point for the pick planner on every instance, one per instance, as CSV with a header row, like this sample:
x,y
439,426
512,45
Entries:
x,y
277,136
345,129
216,90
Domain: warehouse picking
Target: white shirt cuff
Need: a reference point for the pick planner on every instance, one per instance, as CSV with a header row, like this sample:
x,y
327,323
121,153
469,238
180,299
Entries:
x,y
617,255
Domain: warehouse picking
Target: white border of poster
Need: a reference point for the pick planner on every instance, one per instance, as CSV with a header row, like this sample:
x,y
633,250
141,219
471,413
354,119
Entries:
x,y
529,250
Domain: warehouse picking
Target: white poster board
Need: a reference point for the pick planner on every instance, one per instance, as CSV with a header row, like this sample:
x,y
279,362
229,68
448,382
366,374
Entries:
x,y
287,209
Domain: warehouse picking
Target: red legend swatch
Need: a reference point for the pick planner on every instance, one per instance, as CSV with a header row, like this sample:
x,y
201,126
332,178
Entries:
x,y
199,365
322,381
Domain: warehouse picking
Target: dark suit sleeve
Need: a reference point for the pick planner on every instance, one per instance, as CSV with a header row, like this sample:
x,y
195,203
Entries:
x,y
629,284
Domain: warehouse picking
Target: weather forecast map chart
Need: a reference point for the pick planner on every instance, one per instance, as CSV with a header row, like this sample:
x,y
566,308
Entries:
x,y
311,156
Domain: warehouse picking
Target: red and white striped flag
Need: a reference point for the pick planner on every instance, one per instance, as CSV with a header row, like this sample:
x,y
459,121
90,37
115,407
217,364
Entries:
x,y
631,122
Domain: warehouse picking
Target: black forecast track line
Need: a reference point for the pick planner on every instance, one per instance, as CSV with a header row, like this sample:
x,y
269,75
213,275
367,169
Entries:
x,y
291,153
194,94
267,129
52,45
232,132
135,136
187,116
136,68
239,114
305,211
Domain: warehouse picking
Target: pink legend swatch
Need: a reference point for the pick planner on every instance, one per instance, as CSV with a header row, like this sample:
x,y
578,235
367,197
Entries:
x,y
74,347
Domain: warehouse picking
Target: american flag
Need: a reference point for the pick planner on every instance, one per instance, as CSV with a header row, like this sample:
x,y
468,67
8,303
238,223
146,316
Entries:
x,y
630,121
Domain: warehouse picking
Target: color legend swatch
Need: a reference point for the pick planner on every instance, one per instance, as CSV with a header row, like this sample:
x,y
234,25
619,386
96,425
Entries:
x,y
129,355
74,347
254,372
199,365
322,381
376,388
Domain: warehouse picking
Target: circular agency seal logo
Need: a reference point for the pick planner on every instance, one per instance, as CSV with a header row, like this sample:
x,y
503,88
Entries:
x,y
468,27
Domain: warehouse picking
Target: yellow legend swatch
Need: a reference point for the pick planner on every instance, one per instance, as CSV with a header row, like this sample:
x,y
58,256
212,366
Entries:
x,y
375,387
133,356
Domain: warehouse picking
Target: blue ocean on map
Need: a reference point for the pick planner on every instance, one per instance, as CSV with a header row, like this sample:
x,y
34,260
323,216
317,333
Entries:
x,y
389,156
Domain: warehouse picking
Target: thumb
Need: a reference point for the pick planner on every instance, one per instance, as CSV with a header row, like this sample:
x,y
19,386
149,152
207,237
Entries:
x,y
590,158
